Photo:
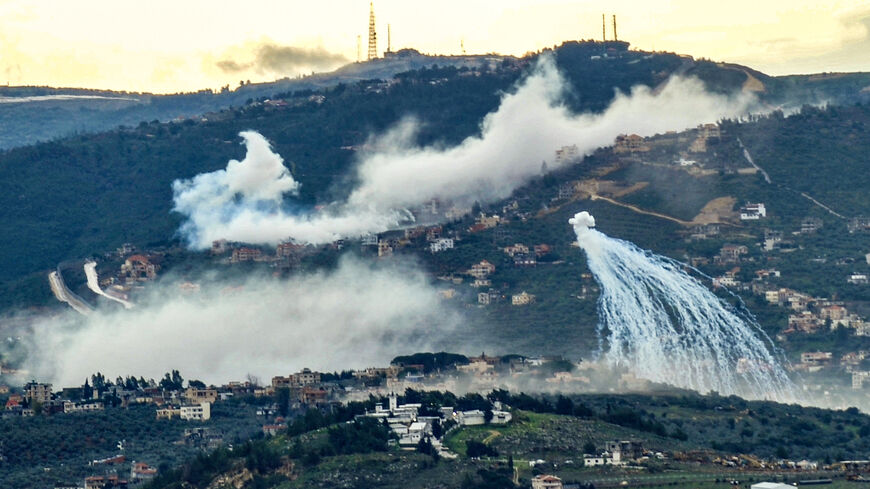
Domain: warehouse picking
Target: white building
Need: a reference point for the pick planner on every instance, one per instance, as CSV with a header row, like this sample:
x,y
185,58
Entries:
x,y
752,212
82,407
771,485
477,417
523,299
470,418
196,412
604,458
441,244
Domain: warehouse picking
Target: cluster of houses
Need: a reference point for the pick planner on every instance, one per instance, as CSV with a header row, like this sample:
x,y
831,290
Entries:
x,y
522,256
807,314
815,361
140,473
38,398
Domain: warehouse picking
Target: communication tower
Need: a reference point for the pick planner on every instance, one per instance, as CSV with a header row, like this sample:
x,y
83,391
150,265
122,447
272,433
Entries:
x,y
373,36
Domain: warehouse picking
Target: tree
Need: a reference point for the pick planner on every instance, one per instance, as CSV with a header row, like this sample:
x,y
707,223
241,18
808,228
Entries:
x,y
564,406
196,384
87,391
487,416
589,447
172,381
282,398
437,429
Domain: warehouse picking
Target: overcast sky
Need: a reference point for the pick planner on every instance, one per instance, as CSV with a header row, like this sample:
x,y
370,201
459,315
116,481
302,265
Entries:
x,y
182,45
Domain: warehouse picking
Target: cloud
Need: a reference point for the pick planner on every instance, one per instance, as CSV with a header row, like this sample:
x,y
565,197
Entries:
x,y
355,316
269,57
530,123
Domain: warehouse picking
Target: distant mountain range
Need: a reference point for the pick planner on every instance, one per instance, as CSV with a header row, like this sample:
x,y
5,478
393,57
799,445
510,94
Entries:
x,y
32,114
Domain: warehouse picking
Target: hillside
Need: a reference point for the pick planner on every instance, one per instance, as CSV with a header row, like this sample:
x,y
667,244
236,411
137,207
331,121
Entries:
x,y
129,171
688,441
34,114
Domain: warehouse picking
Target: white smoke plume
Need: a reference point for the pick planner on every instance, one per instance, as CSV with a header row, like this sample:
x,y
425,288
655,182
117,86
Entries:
x,y
355,316
669,328
526,129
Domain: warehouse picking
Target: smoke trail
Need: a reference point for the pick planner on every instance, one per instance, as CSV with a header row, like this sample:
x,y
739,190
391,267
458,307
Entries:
x,y
529,125
355,316
669,328
94,284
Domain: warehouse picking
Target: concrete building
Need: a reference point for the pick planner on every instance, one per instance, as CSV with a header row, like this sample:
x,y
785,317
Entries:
x,y
196,412
37,392
567,154
545,481
752,212
482,269
441,244
522,299
139,267
630,144
141,472
196,396
245,254
82,407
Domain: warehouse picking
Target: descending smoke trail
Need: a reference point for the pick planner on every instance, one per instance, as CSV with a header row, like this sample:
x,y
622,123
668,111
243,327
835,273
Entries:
x,y
94,285
669,328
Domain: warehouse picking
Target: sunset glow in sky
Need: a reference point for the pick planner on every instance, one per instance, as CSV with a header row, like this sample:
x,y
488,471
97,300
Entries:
x,y
168,46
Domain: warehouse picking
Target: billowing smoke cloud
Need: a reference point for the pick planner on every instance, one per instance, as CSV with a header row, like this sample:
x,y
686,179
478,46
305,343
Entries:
x,y
355,316
529,125
244,202
269,57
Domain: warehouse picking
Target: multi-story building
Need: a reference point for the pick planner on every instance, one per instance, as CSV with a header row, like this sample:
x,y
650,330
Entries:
x,y
35,392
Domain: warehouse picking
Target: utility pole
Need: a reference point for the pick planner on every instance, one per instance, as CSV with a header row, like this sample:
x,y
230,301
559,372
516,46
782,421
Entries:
x,y
389,46
615,38
603,28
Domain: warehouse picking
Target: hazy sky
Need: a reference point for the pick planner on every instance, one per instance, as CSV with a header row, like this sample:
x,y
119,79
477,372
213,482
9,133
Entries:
x,y
165,46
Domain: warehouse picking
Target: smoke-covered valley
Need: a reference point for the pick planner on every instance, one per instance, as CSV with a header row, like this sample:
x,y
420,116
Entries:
x,y
354,316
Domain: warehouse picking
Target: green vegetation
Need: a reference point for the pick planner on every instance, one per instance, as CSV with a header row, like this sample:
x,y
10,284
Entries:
x,y
66,443
494,455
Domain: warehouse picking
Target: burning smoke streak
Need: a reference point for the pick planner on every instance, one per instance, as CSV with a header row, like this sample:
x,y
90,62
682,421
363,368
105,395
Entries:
x,y
353,317
669,328
526,129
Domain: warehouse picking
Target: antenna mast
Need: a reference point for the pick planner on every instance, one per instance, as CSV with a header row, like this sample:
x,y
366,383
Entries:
x,y
373,36
615,38
389,47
